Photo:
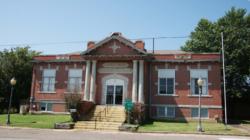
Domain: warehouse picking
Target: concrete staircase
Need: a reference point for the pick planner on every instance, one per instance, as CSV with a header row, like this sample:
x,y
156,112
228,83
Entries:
x,y
103,117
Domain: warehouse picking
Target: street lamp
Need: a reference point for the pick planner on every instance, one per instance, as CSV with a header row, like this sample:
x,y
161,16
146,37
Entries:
x,y
13,83
200,83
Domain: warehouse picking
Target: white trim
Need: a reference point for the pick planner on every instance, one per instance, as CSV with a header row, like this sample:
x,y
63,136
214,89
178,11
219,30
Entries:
x,y
190,106
198,73
166,73
104,86
51,101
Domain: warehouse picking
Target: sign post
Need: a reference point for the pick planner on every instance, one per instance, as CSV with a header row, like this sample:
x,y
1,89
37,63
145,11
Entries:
x,y
128,106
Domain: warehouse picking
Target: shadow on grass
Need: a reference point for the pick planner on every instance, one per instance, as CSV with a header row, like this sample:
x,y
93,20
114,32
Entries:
x,y
151,121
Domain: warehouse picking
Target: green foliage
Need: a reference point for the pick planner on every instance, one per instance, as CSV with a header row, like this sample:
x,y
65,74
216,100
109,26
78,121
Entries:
x,y
35,121
15,63
189,127
235,26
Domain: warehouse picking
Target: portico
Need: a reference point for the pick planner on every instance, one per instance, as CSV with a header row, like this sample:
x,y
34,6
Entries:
x,y
116,83
120,59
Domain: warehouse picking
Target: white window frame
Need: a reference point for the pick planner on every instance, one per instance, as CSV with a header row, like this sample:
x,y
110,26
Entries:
x,y
166,115
50,77
46,107
166,73
207,117
80,81
199,73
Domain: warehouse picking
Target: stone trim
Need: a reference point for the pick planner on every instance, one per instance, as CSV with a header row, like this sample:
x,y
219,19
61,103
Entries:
x,y
190,106
114,76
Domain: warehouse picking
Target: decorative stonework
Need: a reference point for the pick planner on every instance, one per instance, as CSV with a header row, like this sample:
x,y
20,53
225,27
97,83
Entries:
x,y
176,67
62,57
209,67
182,56
199,65
166,65
66,68
115,70
114,47
115,65
156,68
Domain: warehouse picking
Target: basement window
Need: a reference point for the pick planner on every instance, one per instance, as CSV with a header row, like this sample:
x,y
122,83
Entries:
x,y
45,106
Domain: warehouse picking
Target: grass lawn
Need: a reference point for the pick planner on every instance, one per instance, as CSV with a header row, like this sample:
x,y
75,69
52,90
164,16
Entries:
x,y
189,127
34,121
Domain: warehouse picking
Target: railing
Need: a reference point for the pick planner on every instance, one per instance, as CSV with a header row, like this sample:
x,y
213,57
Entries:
x,y
99,114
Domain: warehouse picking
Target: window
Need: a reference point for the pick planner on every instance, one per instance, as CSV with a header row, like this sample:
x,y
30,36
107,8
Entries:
x,y
195,112
195,75
163,85
75,80
48,83
168,112
45,106
166,78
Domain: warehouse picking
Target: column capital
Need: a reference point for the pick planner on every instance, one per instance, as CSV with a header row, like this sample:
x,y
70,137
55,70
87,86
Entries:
x,y
141,61
87,61
94,61
135,61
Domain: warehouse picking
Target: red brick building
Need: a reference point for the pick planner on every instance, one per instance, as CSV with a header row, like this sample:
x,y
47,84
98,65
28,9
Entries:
x,y
115,69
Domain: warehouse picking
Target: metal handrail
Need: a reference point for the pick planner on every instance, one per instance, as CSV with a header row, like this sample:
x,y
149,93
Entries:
x,y
99,114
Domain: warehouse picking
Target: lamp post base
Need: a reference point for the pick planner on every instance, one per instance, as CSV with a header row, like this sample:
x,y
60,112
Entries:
x,y
199,128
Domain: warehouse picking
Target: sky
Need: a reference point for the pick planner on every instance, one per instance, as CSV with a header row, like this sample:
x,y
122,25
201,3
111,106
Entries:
x,y
65,26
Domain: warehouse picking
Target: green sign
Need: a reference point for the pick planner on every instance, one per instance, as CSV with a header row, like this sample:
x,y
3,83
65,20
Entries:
x,y
128,104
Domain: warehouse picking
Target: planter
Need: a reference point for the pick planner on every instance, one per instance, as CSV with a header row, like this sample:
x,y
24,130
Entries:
x,y
64,125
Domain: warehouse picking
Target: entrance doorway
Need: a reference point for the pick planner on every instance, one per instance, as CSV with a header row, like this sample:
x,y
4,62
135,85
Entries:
x,y
114,94
114,91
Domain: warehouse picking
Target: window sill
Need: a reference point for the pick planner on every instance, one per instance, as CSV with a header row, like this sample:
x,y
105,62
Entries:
x,y
47,92
202,96
171,95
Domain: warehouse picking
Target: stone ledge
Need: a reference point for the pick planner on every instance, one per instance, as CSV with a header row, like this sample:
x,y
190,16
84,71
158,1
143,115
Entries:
x,y
64,125
129,127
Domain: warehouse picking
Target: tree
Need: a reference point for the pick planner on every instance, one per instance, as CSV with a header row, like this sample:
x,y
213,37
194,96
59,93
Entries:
x,y
235,26
15,63
206,37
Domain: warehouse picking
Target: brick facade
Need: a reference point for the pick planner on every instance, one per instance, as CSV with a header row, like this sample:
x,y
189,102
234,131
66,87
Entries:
x,y
114,57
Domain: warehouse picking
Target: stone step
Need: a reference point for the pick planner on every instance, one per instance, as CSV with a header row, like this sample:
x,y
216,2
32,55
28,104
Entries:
x,y
97,128
108,120
107,114
97,125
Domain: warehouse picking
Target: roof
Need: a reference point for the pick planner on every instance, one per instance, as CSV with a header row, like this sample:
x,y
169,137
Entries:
x,y
156,52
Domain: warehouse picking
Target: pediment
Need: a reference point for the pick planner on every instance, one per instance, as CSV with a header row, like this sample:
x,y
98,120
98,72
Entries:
x,y
114,45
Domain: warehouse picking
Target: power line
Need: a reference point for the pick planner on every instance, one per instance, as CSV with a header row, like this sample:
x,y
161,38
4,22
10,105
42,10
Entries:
x,y
81,42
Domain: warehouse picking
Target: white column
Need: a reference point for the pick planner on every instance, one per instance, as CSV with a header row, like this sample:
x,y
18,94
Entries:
x,y
92,83
134,88
141,82
86,87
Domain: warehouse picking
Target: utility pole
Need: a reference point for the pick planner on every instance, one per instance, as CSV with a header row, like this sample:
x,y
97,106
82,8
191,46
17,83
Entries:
x,y
153,45
224,79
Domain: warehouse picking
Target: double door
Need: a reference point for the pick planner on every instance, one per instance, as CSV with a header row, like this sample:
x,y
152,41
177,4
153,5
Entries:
x,y
114,94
